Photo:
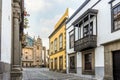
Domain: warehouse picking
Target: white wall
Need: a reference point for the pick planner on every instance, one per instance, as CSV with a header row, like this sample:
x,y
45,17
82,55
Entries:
x,y
99,56
79,59
6,32
68,50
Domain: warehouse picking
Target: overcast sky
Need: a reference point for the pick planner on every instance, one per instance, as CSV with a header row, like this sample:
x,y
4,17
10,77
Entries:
x,y
44,14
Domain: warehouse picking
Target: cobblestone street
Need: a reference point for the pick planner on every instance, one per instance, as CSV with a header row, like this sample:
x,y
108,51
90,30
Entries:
x,y
45,74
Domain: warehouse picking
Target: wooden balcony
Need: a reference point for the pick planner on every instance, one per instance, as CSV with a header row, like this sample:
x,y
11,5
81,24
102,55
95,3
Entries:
x,y
85,43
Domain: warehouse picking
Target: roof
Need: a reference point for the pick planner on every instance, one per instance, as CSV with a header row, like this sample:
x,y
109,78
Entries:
x,y
60,22
92,11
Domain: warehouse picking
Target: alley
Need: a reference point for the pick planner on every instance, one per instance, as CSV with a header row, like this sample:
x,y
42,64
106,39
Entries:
x,y
45,74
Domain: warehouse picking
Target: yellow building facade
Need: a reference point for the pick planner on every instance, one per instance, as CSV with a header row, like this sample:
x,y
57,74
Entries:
x,y
57,47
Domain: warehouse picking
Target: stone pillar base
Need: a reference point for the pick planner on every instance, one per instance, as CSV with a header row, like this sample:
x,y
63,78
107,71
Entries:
x,y
108,78
16,73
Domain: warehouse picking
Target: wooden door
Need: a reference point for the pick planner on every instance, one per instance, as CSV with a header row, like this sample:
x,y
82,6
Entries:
x,y
116,65
55,63
61,63
72,64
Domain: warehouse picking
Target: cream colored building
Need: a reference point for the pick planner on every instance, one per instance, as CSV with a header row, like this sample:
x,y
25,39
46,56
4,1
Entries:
x,y
33,53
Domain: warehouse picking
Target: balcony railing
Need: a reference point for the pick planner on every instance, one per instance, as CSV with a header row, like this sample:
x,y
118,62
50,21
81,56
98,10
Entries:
x,y
85,43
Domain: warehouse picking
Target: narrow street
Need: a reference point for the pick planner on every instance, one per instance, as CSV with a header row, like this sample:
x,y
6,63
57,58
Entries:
x,y
45,74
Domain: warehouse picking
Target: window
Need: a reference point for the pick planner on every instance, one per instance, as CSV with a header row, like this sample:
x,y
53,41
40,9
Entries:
x,y
51,46
88,30
72,40
116,18
38,47
61,41
88,61
55,44
26,57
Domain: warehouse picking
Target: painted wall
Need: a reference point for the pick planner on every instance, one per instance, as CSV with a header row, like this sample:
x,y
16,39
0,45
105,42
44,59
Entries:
x,y
56,35
62,53
58,54
68,50
6,32
0,24
59,29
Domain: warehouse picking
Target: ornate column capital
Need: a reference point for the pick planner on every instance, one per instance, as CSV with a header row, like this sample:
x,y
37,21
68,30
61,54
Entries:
x,y
16,10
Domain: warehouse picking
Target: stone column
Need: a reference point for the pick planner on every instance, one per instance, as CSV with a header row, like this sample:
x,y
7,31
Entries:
x,y
16,69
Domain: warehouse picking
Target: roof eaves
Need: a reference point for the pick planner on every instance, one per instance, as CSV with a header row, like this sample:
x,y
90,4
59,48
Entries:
x,y
79,9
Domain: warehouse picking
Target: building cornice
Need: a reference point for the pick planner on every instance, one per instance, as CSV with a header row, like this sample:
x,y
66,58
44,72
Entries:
x,y
57,29
57,52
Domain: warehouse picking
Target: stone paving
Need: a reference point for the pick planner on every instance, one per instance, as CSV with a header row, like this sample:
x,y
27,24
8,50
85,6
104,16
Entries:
x,y
45,74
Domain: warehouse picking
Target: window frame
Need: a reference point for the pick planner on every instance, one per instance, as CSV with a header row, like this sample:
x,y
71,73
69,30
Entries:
x,y
90,28
70,42
92,71
112,18
61,42
55,45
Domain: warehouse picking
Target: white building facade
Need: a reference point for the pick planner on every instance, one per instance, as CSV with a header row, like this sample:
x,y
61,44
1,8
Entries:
x,y
5,36
91,32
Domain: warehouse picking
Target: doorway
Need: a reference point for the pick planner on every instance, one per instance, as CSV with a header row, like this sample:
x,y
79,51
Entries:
x,y
55,63
60,63
116,65
72,68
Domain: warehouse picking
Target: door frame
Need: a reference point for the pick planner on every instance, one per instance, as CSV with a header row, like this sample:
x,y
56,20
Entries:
x,y
92,71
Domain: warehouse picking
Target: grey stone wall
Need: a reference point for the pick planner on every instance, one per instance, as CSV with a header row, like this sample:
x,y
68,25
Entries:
x,y
4,71
4,67
109,47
